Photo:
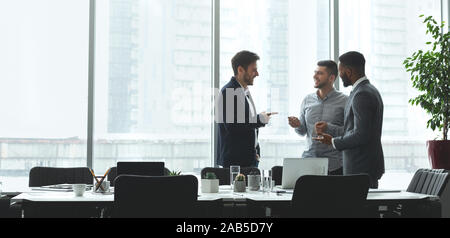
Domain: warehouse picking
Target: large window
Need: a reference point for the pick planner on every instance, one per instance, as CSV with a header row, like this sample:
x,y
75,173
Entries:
x,y
290,36
153,83
386,32
43,86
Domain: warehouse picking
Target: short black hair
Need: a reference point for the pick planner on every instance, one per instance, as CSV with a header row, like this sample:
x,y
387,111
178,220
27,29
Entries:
x,y
330,65
243,59
354,60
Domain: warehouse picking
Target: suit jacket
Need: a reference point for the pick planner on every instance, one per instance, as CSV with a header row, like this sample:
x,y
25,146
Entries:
x,y
237,131
361,140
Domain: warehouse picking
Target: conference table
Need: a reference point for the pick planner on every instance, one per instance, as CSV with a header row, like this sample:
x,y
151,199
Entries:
x,y
225,203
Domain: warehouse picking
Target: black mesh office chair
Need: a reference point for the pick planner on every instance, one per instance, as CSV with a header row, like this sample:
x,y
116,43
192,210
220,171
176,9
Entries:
x,y
424,181
429,181
113,174
330,196
155,196
277,174
42,176
223,174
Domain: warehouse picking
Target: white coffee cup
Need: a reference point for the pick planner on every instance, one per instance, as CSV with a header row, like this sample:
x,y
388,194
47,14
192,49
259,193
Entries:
x,y
79,189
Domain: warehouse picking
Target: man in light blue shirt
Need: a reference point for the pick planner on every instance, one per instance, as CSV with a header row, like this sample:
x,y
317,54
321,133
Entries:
x,y
325,105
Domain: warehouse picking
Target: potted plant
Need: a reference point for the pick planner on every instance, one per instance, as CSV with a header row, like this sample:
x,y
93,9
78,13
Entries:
x,y
210,183
174,173
239,183
430,72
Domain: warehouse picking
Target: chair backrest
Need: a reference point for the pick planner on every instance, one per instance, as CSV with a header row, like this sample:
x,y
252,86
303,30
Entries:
x,y
155,196
141,168
223,174
43,176
277,174
113,174
330,196
429,181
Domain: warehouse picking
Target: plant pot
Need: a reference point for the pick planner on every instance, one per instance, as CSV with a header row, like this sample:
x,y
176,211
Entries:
x,y
439,154
210,185
239,186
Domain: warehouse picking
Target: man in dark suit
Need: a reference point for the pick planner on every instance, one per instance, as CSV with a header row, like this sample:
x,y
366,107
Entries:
x,y
236,115
363,121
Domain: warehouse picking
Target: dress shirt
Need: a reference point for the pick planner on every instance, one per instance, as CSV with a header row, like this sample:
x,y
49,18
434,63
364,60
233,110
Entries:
x,y
329,109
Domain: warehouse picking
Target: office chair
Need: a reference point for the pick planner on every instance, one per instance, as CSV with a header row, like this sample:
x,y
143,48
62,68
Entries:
x,y
113,174
141,168
155,196
429,181
277,174
330,196
42,176
223,174
424,181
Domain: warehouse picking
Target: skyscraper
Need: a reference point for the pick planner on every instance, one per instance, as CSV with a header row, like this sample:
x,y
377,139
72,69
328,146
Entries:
x,y
123,66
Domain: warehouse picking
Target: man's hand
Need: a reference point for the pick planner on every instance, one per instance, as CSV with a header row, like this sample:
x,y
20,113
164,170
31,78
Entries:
x,y
321,127
294,122
323,138
257,157
264,117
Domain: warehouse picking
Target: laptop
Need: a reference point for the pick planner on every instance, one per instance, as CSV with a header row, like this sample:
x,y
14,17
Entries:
x,y
141,168
294,168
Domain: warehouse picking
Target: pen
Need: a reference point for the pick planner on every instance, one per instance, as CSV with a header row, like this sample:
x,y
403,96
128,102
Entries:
x,y
99,184
101,181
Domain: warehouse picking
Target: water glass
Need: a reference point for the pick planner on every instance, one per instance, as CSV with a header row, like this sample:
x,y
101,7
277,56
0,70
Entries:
x,y
254,182
267,181
235,170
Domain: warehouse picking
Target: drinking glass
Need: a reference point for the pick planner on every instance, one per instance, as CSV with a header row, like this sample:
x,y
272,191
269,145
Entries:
x,y
235,170
267,180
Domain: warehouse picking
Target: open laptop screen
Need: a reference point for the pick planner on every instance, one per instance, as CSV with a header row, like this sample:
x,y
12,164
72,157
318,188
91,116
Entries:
x,y
294,168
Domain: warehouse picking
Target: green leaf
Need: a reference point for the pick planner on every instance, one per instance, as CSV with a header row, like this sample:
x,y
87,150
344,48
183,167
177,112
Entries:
x,y
429,73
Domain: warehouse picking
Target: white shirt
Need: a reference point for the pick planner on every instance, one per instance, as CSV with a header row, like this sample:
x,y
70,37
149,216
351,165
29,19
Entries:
x,y
358,82
249,96
252,104
353,88
252,108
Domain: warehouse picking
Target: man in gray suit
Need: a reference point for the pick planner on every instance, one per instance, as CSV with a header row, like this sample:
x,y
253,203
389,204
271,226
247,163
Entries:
x,y
363,121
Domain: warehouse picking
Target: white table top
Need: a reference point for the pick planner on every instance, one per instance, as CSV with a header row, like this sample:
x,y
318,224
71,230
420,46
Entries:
x,y
224,193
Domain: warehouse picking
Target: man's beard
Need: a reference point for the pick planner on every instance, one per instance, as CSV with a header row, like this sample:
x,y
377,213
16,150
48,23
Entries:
x,y
247,79
346,81
321,85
